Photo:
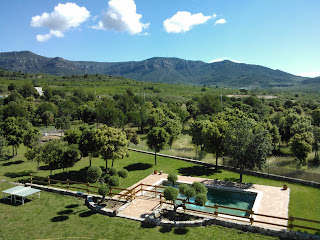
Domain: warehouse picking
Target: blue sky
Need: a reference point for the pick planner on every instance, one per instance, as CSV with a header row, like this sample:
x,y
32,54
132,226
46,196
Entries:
x,y
281,35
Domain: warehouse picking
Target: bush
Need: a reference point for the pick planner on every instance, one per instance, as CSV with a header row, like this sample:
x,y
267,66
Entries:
x,y
199,187
200,199
103,190
123,173
112,171
93,174
173,178
189,193
182,188
113,181
170,193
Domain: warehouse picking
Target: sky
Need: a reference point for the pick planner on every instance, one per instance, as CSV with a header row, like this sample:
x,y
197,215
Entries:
x,y
282,35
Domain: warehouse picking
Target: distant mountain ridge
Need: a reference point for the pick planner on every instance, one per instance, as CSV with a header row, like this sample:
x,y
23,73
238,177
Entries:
x,y
158,69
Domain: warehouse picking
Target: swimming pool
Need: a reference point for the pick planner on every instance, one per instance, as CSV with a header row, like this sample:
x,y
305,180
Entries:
x,y
225,197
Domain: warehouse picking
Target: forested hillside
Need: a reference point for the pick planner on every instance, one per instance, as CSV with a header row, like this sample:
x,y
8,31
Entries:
x,y
158,69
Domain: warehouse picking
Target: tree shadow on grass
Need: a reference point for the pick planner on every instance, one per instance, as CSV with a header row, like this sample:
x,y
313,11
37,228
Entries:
x,y
138,166
165,229
65,212
72,206
232,179
59,218
79,176
197,171
181,231
18,174
12,163
86,214
145,224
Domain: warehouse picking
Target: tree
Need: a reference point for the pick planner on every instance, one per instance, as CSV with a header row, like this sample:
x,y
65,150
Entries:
x,y
51,154
2,146
197,133
173,127
31,137
214,135
62,123
301,145
103,190
93,174
69,156
246,146
173,178
13,133
112,142
72,136
209,104
34,154
157,138
316,141
199,187
171,194
87,143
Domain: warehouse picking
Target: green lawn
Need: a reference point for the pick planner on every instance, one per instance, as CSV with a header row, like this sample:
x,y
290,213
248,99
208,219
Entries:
x,y
303,199
60,217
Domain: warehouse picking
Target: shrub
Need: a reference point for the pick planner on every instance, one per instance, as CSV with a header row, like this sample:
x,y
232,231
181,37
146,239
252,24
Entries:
x,y
189,193
113,181
103,190
200,199
173,178
182,188
199,187
93,174
123,173
112,171
170,194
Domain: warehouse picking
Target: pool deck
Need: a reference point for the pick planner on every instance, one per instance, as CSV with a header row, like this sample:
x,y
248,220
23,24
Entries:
x,y
270,200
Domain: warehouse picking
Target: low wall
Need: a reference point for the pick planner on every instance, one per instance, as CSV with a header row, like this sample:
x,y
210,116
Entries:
x,y
282,234
247,172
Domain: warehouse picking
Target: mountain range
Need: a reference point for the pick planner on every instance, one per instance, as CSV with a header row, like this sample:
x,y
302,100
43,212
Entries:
x,y
158,69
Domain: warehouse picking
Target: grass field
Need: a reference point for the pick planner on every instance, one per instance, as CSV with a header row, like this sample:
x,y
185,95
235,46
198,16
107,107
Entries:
x,y
303,200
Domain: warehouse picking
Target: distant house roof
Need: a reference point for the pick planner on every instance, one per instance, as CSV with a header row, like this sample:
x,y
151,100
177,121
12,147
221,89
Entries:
x,y
39,89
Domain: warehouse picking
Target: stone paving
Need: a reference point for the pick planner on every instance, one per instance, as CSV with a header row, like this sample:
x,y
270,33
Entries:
x,y
270,200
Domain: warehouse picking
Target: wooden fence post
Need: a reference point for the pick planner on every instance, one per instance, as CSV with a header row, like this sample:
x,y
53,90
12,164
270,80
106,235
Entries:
x,y
216,210
49,180
67,184
141,189
290,223
88,188
160,199
31,178
251,217
155,191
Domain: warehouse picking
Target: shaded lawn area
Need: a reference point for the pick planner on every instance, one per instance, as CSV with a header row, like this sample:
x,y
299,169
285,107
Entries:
x,y
303,199
55,216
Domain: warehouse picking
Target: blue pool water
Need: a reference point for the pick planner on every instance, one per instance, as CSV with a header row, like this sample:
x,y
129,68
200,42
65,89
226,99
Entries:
x,y
228,198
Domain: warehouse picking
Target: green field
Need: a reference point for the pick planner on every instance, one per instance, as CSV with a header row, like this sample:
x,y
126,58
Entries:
x,y
303,202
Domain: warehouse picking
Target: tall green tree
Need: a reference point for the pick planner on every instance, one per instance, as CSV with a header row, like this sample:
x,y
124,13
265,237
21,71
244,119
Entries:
x,y
2,146
197,129
88,144
13,133
247,146
157,138
214,135
112,142
173,127
301,145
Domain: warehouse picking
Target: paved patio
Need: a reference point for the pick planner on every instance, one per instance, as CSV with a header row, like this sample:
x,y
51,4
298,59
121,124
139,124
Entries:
x,y
270,200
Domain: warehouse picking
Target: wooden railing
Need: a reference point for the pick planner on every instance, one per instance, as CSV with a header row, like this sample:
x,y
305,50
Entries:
x,y
130,194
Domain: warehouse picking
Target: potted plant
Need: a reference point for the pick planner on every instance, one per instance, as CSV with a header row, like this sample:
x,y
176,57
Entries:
x,y
285,187
155,172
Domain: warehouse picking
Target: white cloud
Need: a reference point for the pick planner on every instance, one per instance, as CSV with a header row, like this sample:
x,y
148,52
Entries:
x,y
122,16
63,18
310,74
184,21
220,21
223,59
